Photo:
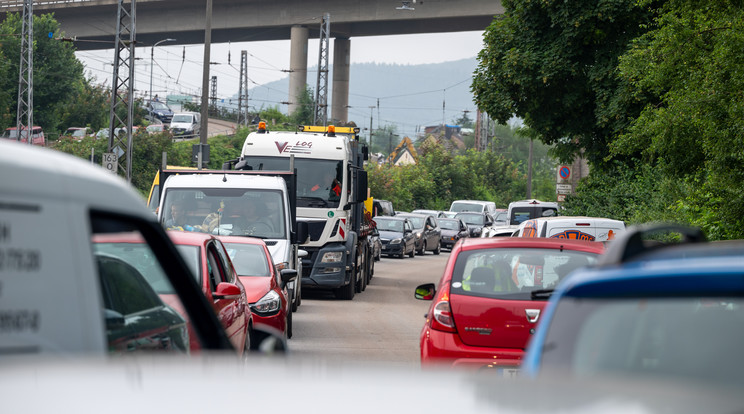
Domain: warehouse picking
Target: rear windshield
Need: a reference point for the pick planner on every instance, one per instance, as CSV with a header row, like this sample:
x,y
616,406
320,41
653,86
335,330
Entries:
x,y
514,272
695,338
458,207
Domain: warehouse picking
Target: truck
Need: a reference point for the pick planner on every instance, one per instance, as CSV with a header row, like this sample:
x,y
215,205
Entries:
x,y
331,191
203,196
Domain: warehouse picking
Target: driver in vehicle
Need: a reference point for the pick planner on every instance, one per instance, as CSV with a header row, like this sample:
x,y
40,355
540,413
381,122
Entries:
x,y
327,185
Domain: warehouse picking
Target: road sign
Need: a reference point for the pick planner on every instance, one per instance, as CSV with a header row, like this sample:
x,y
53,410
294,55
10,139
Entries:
x,y
564,172
562,191
561,198
110,162
563,187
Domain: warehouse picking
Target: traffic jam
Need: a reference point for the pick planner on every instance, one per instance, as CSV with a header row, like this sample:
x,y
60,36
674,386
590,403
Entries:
x,y
525,292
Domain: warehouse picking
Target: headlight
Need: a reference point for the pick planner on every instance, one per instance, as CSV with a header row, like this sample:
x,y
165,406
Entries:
x,y
332,257
269,304
395,241
418,235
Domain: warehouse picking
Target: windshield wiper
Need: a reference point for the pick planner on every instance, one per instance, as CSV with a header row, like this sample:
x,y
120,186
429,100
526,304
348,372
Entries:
x,y
541,294
314,200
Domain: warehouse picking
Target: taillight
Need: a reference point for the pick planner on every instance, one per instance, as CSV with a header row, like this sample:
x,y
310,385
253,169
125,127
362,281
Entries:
x,y
442,319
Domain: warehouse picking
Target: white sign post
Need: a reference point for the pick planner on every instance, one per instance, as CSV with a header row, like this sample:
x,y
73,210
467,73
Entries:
x,y
110,162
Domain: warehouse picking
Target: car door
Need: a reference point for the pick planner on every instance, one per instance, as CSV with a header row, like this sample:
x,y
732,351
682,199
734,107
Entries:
x,y
433,232
226,296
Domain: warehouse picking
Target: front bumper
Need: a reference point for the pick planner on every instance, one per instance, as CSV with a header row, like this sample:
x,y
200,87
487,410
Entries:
x,y
392,249
318,275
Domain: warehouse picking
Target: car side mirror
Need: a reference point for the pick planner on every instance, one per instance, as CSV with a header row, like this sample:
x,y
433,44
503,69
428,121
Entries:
x,y
226,291
288,275
408,231
425,291
114,319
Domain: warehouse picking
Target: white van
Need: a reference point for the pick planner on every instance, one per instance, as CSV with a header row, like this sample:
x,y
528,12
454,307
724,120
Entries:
x,y
479,206
568,227
522,210
61,292
186,124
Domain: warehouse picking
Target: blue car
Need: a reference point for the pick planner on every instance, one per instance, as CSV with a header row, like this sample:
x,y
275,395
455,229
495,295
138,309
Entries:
x,y
648,310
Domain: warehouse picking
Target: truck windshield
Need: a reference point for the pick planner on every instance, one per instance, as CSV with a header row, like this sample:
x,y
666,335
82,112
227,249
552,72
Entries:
x,y
232,211
319,182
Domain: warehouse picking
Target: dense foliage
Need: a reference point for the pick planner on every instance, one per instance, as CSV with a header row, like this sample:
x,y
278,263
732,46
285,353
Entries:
x,y
650,90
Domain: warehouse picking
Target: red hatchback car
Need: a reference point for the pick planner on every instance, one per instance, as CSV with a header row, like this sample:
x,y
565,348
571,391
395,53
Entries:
x,y
214,271
265,287
490,297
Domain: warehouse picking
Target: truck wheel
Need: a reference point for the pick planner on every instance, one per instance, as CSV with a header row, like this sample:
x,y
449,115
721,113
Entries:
x,y
346,292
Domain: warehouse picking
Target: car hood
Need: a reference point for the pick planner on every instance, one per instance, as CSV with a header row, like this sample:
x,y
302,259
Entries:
x,y
449,233
279,249
255,287
390,235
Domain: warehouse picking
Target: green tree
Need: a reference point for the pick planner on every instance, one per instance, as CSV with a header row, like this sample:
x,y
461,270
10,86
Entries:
x,y
57,74
305,113
553,64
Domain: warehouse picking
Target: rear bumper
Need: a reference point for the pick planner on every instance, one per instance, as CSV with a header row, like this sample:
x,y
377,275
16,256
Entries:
x,y
446,349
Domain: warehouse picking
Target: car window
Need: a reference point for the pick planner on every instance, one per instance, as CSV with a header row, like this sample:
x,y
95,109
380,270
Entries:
x,y
192,258
214,268
248,259
227,264
143,311
449,225
494,272
695,338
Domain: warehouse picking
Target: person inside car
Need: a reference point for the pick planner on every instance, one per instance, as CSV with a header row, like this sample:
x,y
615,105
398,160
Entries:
x,y
327,185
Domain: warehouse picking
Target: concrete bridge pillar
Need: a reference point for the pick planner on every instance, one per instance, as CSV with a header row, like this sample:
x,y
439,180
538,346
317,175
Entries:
x,y
297,66
341,63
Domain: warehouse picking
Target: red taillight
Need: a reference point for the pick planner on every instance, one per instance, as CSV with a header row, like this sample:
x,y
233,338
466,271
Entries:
x,y
442,319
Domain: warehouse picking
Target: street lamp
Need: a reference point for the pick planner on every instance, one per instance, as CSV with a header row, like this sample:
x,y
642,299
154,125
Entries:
x,y
152,55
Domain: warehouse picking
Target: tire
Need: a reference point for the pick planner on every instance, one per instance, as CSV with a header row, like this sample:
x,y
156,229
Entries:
x,y
412,252
295,297
346,292
299,295
422,251
438,249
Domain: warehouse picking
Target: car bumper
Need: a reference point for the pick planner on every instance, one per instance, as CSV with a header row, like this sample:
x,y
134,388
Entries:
x,y
446,349
316,274
393,249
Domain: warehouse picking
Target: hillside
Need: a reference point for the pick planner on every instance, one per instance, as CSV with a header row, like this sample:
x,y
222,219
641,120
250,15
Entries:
x,y
410,96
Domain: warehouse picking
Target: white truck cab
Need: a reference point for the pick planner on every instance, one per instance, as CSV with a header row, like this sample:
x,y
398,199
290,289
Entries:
x,y
479,206
60,293
204,194
572,227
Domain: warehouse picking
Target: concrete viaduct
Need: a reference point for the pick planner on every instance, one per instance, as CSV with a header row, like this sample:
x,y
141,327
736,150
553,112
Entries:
x,y
93,24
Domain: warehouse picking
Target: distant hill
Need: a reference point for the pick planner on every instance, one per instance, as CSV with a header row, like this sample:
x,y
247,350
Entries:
x,y
410,96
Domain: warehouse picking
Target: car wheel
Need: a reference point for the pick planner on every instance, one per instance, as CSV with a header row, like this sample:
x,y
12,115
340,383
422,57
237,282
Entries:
x,y
247,345
423,249
438,249
299,295
412,252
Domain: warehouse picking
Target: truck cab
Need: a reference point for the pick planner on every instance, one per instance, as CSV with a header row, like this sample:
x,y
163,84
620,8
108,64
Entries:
x,y
211,201
331,189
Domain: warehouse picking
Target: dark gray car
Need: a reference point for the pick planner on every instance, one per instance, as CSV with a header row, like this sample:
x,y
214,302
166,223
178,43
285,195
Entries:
x,y
475,221
427,232
452,231
396,236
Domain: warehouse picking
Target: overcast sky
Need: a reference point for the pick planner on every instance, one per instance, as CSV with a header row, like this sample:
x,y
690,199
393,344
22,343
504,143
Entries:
x,y
178,69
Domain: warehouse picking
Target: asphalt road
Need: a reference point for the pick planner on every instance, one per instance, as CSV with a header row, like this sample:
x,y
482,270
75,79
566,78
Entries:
x,y
381,325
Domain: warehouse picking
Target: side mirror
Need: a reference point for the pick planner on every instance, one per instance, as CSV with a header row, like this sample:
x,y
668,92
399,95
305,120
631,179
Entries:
x,y
226,291
288,275
302,233
114,319
301,253
425,291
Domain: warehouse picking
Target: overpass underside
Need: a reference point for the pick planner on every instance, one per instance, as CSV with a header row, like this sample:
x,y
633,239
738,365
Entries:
x,y
93,24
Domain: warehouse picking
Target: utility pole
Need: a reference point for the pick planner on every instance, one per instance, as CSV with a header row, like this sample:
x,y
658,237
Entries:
x,y
122,95
26,76
321,89
243,89
204,131
529,172
371,108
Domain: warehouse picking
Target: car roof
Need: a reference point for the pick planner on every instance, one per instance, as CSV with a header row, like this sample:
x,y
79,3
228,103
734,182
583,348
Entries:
x,y
189,237
397,218
633,266
474,243
700,276
421,215
60,176
241,239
